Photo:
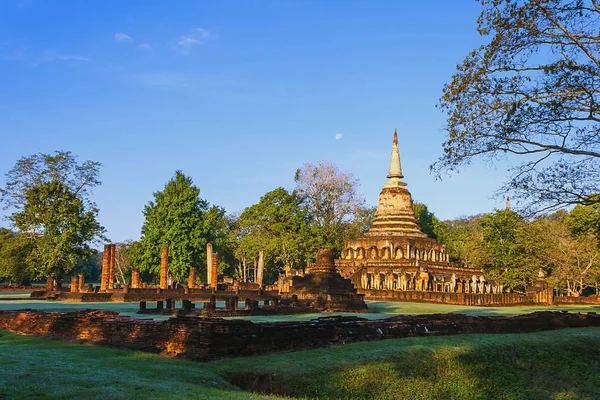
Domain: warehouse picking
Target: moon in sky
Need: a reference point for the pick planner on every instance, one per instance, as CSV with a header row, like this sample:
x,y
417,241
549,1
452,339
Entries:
x,y
338,136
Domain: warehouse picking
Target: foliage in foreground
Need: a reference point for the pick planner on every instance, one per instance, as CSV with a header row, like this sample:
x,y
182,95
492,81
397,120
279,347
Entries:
x,y
561,364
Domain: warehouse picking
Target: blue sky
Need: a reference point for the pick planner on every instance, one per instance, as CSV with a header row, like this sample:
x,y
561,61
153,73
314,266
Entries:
x,y
237,94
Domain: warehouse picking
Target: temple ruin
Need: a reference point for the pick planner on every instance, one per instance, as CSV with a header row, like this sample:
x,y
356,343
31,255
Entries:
x,y
395,254
322,288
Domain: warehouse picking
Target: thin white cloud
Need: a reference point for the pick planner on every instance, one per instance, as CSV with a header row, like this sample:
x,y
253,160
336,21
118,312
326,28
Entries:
x,y
144,46
56,56
194,37
123,37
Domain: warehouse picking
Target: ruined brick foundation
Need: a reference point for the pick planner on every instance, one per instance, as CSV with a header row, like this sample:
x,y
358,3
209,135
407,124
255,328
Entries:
x,y
210,338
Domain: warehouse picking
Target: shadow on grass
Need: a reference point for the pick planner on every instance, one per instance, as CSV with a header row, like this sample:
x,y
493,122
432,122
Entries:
x,y
549,365
512,369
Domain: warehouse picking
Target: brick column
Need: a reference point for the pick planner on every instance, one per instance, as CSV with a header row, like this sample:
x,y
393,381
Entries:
x,y
164,267
49,283
74,284
135,278
105,267
192,278
215,263
261,267
209,253
81,288
111,267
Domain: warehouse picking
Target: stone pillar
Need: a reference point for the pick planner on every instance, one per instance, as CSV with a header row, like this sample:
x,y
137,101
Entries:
x,y
186,305
192,278
74,284
261,267
111,267
407,254
213,274
81,282
135,278
49,283
142,306
164,267
170,304
209,253
105,267
160,305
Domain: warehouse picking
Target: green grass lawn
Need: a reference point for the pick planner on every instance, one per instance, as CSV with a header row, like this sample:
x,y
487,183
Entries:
x,y
562,364
376,309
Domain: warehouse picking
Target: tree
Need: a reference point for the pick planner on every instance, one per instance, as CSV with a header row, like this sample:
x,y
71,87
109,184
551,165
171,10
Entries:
x,y
425,218
180,219
504,255
13,257
532,91
279,225
50,196
572,260
584,219
463,239
331,198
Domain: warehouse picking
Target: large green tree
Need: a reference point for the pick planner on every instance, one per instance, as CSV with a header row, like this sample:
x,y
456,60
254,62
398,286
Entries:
x,y
584,219
463,238
180,219
505,256
279,225
532,91
50,194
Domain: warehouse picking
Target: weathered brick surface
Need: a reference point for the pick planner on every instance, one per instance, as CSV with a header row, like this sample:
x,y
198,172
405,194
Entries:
x,y
209,338
466,299
576,300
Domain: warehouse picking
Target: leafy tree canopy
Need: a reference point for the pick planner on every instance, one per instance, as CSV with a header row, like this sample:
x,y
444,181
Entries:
x,y
504,254
50,196
13,257
279,225
180,219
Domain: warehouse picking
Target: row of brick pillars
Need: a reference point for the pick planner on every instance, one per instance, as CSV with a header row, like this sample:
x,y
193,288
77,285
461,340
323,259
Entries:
x,y
77,283
108,269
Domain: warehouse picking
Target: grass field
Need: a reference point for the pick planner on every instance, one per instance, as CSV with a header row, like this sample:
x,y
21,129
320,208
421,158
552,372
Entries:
x,y
561,364
376,309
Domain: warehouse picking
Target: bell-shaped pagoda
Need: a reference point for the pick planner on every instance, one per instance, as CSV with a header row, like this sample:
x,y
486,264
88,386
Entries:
x,y
395,246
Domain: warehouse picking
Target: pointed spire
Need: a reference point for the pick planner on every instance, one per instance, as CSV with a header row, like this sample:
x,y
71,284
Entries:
x,y
507,203
395,172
